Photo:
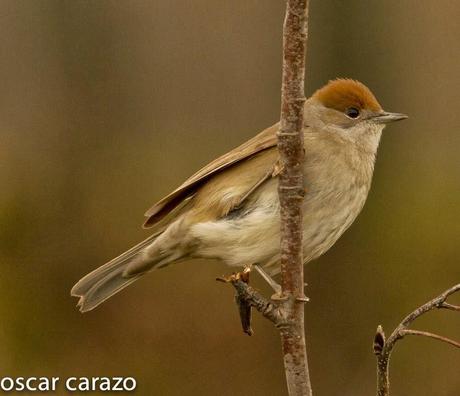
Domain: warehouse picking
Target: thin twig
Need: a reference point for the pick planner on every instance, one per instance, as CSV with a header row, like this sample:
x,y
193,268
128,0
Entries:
x,y
438,302
384,347
450,306
430,335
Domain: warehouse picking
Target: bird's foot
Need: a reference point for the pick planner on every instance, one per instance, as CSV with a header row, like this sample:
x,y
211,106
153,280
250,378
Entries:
x,y
273,284
278,296
242,275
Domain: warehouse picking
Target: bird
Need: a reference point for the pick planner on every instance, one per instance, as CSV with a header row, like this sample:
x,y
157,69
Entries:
x,y
229,210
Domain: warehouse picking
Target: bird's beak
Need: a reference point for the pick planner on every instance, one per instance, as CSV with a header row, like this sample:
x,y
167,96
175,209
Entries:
x,y
385,117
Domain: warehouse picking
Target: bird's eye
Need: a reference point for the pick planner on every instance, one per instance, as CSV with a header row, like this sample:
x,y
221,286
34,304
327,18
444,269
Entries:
x,y
352,112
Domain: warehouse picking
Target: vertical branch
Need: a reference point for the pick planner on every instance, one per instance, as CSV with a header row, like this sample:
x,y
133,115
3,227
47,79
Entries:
x,y
291,192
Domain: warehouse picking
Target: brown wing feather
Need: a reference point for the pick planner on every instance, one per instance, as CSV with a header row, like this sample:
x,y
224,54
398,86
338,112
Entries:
x,y
260,142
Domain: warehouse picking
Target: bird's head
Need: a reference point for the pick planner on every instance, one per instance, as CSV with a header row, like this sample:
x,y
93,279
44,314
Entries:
x,y
348,108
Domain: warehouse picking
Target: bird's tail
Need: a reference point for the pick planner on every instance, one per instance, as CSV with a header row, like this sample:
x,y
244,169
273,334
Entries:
x,y
105,281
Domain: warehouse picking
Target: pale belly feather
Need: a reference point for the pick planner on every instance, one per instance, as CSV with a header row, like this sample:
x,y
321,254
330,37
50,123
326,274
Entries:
x,y
252,236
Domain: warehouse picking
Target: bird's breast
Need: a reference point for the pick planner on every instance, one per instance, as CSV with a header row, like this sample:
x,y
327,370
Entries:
x,y
336,193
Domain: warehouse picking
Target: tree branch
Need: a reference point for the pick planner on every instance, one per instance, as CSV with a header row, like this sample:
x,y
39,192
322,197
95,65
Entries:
x,y
383,348
291,192
287,313
247,297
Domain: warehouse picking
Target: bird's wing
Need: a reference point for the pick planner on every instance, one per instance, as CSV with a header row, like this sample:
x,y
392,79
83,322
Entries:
x,y
264,140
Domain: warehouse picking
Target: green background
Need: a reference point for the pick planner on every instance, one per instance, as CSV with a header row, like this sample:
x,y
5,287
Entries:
x,y
105,106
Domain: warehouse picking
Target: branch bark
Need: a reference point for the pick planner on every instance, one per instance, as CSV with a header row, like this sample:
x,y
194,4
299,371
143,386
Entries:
x,y
291,192
384,347
287,313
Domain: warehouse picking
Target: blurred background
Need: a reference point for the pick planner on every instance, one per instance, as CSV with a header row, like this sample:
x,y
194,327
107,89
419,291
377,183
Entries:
x,y
106,106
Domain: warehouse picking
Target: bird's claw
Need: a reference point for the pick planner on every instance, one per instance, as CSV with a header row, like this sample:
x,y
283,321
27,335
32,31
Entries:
x,y
236,276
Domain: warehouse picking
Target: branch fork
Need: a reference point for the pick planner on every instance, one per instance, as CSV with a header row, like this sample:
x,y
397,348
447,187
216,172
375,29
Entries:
x,y
383,347
247,297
